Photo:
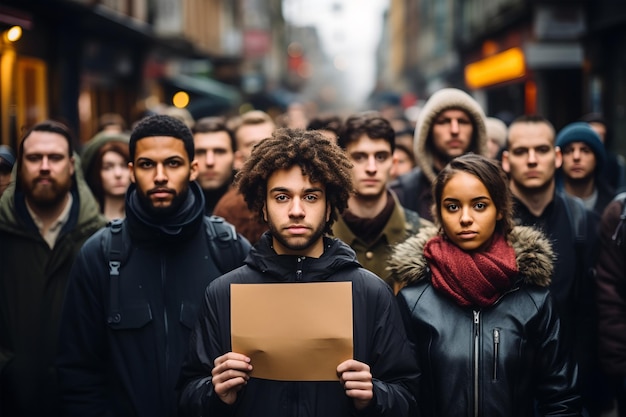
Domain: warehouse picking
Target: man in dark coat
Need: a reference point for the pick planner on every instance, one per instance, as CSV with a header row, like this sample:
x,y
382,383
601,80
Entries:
x,y
46,214
297,182
531,160
125,327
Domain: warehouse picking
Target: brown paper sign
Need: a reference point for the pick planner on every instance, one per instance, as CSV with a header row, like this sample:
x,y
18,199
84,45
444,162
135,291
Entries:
x,y
293,331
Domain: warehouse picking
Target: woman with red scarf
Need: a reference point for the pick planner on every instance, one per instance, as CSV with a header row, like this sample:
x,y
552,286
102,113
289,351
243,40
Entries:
x,y
475,299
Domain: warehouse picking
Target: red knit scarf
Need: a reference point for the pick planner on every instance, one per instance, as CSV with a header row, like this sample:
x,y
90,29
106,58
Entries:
x,y
476,279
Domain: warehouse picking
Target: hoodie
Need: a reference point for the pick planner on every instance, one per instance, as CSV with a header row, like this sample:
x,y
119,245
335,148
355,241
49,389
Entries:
x,y
413,188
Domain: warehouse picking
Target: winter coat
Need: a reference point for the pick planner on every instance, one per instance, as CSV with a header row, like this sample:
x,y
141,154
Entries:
x,y
33,279
379,340
234,209
414,188
611,291
127,364
493,361
373,256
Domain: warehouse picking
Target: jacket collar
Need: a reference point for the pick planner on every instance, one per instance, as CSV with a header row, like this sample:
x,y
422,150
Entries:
x,y
396,229
337,256
533,252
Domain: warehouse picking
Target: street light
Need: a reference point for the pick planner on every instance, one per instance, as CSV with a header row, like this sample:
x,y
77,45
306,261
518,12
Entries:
x,y
13,34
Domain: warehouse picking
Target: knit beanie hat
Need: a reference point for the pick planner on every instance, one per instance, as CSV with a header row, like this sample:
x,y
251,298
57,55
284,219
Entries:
x,y
582,132
7,158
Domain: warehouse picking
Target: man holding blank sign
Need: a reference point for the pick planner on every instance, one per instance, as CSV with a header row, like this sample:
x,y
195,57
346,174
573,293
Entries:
x,y
301,328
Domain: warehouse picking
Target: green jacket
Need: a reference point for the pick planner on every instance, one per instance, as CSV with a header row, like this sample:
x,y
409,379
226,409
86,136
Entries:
x,y
402,224
33,279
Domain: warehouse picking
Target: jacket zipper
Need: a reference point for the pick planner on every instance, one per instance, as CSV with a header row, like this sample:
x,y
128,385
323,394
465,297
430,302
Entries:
x,y
496,352
476,354
165,322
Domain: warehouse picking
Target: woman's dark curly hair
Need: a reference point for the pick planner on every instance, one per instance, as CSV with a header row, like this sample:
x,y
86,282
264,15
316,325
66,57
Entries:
x,y
321,160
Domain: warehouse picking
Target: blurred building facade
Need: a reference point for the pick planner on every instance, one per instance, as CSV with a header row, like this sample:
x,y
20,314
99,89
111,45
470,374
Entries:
x,y
78,59
559,58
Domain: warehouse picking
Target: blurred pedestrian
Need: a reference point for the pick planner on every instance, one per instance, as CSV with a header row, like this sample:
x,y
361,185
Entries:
x,y
615,169
215,151
249,129
329,124
403,161
111,123
105,160
45,216
531,160
496,134
477,306
297,181
611,297
584,159
136,286
450,124
7,159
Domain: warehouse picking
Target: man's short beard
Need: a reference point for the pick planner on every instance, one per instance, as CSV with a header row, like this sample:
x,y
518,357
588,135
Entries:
x,y
177,202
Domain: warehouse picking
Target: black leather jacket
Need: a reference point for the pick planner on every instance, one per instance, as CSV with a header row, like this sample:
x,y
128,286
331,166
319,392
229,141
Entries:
x,y
494,361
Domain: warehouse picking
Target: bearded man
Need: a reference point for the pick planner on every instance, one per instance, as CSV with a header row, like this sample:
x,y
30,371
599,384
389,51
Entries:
x,y
45,216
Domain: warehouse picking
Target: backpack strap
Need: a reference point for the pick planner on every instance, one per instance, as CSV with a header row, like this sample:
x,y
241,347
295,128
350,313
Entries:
x,y
227,248
115,254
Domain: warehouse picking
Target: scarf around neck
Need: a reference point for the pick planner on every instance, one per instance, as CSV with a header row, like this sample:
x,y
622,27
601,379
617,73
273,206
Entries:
x,y
476,279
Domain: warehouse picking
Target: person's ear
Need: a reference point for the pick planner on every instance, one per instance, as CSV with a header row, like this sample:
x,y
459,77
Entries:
x,y
132,172
558,157
506,166
238,161
194,172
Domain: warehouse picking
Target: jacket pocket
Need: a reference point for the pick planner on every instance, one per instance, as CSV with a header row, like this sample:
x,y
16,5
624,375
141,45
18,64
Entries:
x,y
188,314
131,317
496,352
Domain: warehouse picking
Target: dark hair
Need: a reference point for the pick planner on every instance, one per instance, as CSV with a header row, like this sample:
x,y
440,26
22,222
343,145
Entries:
x,y
330,122
321,160
214,124
51,126
93,174
490,174
402,147
531,118
594,118
161,125
111,119
370,123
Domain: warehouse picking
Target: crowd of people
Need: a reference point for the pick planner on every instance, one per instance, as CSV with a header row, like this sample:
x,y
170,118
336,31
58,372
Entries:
x,y
485,262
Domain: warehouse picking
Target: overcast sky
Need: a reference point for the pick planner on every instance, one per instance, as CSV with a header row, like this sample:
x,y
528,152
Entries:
x,y
349,29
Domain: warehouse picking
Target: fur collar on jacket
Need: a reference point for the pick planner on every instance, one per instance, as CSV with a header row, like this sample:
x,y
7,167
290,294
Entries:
x,y
533,253
445,99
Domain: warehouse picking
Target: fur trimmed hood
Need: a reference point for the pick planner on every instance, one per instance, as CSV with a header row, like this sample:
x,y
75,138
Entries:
x,y
444,99
533,252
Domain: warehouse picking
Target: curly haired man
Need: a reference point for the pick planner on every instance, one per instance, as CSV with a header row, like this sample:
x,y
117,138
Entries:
x,y
296,182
